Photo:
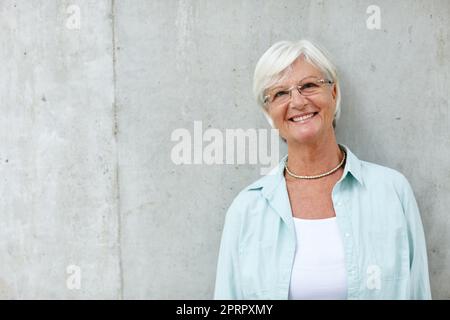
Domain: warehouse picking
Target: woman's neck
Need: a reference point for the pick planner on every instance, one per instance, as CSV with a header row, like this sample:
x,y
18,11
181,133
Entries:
x,y
314,158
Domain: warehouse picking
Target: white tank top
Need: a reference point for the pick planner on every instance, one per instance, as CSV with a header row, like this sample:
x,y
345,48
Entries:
x,y
319,264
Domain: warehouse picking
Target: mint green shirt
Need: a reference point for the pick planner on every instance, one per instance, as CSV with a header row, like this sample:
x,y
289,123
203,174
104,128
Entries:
x,y
380,225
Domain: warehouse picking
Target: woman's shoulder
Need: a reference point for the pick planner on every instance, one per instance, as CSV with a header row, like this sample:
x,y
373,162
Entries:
x,y
252,195
251,192
377,174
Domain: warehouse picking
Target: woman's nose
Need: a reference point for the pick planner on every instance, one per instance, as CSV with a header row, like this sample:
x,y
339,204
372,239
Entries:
x,y
297,98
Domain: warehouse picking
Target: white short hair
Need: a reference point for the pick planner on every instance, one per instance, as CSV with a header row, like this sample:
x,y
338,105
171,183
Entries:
x,y
279,57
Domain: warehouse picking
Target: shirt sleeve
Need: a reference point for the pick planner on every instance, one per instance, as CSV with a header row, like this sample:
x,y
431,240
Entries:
x,y
228,285
419,277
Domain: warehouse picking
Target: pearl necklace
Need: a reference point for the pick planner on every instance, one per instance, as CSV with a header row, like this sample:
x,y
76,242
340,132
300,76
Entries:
x,y
319,175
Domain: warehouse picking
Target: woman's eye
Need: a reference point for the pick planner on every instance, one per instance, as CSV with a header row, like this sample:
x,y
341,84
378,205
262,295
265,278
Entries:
x,y
309,85
280,94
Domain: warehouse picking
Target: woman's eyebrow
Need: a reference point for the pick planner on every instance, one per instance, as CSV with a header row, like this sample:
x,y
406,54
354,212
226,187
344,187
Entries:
x,y
283,86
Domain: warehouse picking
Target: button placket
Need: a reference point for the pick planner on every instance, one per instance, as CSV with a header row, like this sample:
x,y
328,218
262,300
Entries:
x,y
352,274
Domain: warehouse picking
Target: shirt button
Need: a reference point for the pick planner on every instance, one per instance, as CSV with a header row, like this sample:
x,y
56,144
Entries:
x,y
339,204
347,234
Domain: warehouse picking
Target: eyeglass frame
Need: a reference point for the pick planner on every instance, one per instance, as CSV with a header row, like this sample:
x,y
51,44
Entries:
x,y
323,81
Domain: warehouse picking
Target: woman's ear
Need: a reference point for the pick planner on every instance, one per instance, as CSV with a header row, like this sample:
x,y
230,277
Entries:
x,y
334,91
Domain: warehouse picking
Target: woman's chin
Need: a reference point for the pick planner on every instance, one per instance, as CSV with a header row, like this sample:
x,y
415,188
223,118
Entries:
x,y
302,134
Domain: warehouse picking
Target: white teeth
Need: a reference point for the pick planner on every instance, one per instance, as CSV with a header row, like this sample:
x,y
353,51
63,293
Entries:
x,y
302,118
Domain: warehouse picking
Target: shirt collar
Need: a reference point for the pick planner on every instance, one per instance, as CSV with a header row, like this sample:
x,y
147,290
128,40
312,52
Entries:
x,y
271,181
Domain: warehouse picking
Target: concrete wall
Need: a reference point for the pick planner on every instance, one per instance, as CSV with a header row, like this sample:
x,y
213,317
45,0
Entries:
x,y
89,102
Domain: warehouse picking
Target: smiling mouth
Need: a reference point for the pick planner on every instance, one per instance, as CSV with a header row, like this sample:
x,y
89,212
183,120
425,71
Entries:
x,y
303,118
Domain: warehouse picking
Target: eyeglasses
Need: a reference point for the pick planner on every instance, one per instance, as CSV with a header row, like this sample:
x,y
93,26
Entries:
x,y
306,87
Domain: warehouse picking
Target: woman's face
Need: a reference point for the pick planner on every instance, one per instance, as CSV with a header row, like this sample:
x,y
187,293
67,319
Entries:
x,y
321,104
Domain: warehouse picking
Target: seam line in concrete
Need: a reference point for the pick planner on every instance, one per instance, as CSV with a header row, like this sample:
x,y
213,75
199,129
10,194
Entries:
x,y
116,132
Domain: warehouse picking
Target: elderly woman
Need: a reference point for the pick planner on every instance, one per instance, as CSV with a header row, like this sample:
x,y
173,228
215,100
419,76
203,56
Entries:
x,y
323,224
